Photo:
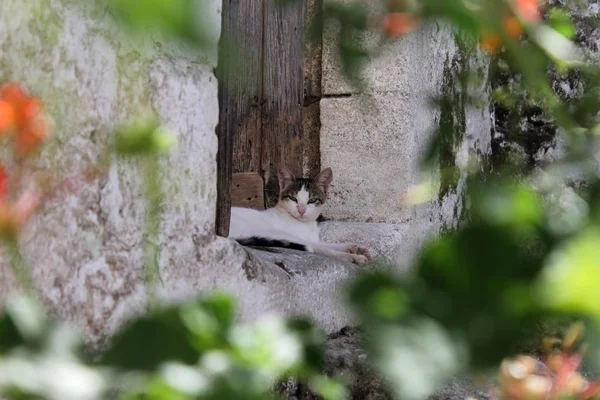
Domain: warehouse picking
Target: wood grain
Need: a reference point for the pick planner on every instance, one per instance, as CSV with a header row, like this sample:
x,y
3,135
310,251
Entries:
x,y
247,190
313,71
239,74
313,54
283,92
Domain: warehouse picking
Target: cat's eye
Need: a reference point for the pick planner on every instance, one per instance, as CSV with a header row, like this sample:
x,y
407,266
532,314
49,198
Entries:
x,y
292,198
312,201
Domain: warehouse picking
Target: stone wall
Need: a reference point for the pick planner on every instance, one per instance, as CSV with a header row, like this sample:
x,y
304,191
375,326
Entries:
x,y
375,140
525,136
86,251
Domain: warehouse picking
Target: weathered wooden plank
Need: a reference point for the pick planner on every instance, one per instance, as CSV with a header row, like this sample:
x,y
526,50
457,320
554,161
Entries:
x,y
311,120
239,73
313,67
247,190
283,92
313,54
246,34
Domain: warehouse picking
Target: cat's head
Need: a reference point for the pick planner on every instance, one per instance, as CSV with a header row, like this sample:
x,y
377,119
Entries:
x,y
303,198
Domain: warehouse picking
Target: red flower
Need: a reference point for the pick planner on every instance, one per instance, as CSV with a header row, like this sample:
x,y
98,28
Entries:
x,y
396,25
491,43
529,10
512,26
22,116
3,184
7,116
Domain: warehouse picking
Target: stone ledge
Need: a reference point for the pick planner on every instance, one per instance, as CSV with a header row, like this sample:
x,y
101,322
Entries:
x,y
267,281
396,244
312,285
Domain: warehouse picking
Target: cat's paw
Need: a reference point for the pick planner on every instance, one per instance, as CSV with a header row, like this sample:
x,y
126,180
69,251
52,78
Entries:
x,y
359,250
359,259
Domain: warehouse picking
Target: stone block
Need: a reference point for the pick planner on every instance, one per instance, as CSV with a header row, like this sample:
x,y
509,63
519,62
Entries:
x,y
373,144
410,64
375,141
86,250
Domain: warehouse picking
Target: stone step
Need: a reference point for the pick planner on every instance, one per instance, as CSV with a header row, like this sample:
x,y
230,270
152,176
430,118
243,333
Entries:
x,y
396,244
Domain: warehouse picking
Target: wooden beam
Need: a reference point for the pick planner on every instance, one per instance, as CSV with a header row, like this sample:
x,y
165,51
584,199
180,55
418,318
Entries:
x,y
239,74
283,91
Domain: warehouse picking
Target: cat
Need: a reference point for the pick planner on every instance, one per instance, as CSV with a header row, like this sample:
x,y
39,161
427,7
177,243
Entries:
x,y
292,223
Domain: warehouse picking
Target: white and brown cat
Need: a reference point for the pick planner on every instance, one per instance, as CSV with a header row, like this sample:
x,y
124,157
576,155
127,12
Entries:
x,y
292,223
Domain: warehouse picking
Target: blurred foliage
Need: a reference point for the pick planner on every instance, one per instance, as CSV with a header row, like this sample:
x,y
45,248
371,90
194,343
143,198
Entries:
x,y
142,137
146,138
185,21
520,258
192,351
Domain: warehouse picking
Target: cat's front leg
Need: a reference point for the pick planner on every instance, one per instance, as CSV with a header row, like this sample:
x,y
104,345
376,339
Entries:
x,y
346,256
351,248
358,249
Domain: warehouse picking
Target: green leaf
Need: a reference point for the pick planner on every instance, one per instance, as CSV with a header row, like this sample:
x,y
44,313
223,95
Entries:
x,y
171,17
417,358
328,388
557,46
560,22
10,337
145,136
24,323
312,340
380,296
222,306
507,205
149,341
571,280
464,279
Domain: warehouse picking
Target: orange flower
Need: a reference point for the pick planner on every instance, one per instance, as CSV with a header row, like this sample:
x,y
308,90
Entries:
x,y
396,25
25,115
3,184
491,43
7,116
12,93
512,26
30,137
529,10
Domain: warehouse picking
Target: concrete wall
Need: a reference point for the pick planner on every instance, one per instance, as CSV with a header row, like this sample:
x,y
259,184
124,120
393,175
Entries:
x,y
374,140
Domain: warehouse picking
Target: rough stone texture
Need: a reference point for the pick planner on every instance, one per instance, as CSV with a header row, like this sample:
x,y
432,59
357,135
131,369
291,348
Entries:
x,y
86,250
312,286
523,135
390,244
375,140
345,358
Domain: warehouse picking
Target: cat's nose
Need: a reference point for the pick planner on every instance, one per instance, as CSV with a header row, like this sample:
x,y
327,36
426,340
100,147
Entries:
x,y
301,210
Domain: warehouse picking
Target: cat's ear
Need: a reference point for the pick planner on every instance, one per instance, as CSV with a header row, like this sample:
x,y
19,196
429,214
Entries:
x,y
324,179
285,177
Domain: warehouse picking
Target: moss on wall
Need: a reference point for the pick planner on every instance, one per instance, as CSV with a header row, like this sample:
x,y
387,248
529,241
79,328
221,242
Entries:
x,y
462,92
